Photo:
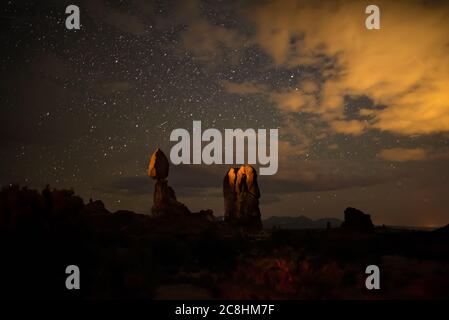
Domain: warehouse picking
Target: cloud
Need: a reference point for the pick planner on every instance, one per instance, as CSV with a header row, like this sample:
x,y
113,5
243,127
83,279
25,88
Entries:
x,y
132,185
414,154
403,66
208,42
402,154
288,150
309,87
293,177
294,101
351,127
329,175
183,179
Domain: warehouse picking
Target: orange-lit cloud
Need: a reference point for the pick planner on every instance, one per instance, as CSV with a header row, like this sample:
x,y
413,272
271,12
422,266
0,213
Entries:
x,y
351,127
402,154
404,66
294,101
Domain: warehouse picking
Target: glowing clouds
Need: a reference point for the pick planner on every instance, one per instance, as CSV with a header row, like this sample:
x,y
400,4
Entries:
x,y
403,66
402,154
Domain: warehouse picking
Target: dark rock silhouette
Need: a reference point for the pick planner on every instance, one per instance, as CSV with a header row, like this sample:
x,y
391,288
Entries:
x,y
444,229
96,207
164,197
126,255
52,229
165,203
241,197
357,221
301,222
442,233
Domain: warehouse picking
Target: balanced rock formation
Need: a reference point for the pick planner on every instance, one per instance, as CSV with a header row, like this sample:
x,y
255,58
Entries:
x,y
357,221
159,165
241,197
164,198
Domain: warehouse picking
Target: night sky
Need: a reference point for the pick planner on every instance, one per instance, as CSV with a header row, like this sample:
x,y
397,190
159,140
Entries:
x,y
363,115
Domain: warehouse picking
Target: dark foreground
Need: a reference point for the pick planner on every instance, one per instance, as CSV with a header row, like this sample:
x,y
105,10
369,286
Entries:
x,y
129,255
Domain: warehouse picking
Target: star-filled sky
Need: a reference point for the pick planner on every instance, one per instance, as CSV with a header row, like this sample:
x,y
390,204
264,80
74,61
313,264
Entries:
x,y
363,115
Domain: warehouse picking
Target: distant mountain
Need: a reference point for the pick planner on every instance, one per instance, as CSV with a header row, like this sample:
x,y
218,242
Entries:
x,y
300,222
443,230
